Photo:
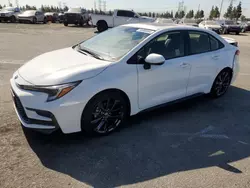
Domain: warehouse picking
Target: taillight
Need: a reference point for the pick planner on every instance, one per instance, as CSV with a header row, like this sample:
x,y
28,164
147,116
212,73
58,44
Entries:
x,y
237,52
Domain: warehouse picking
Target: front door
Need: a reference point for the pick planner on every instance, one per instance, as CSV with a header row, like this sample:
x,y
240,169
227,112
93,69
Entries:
x,y
167,82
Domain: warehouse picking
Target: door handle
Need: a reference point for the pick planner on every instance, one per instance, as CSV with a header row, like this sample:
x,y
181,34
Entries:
x,y
184,65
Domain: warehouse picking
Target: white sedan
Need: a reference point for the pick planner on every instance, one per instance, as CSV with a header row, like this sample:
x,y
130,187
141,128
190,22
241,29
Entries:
x,y
95,85
211,25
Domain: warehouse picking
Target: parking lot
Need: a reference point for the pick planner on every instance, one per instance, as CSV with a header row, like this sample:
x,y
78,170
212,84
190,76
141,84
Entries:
x,y
198,143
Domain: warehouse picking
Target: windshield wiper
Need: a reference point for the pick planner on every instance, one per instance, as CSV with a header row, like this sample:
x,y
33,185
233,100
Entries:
x,y
90,53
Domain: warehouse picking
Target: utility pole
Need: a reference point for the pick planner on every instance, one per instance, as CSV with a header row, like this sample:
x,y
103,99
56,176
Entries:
x,y
104,5
221,5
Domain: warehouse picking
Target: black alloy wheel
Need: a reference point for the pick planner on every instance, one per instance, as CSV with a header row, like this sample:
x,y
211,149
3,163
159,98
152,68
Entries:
x,y
221,83
105,113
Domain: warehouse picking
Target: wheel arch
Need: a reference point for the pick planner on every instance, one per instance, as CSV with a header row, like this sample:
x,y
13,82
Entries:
x,y
122,93
99,21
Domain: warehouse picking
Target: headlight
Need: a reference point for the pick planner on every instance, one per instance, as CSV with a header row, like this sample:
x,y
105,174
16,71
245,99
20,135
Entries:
x,y
54,92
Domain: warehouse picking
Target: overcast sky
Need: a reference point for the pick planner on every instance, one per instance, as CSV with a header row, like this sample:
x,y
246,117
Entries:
x,y
140,5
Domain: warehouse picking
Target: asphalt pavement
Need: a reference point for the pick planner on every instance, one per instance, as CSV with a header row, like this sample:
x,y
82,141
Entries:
x,y
198,143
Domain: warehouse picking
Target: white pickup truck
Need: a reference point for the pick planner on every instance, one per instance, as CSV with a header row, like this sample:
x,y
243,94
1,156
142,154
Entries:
x,y
120,17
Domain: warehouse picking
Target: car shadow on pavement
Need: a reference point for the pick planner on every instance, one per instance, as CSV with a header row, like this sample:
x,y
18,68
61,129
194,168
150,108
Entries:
x,y
198,133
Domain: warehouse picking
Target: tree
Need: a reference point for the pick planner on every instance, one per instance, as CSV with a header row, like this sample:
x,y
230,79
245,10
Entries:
x,y
10,4
149,14
182,14
238,11
229,12
171,14
66,8
176,15
190,14
216,12
243,18
153,15
212,13
1,7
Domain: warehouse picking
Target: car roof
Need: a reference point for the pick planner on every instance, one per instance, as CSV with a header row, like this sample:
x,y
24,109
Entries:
x,y
163,26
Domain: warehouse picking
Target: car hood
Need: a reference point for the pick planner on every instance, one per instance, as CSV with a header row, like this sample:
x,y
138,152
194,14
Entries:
x,y
61,66
6,11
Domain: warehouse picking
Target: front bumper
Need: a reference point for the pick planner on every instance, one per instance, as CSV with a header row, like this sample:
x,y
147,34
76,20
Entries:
x,y
45,120
34,112
5,18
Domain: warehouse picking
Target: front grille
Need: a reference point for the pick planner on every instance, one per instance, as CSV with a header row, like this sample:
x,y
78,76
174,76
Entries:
x,y
19,107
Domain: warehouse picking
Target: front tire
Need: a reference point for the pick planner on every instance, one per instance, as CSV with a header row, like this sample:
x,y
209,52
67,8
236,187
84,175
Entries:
x,y
34,21
65,24
237,33
105,113
221,83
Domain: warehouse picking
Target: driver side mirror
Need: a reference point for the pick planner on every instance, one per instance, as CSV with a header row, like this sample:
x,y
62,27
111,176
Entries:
x,y
135,16
153,59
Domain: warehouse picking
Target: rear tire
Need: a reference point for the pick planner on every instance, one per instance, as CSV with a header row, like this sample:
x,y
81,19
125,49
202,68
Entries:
x,y
65,24
237,33
102,26
45,21
105,113
221,83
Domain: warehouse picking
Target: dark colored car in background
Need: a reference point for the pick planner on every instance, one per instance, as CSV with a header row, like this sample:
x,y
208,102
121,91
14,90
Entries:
x,y
61,17
51,16
230,26
76,16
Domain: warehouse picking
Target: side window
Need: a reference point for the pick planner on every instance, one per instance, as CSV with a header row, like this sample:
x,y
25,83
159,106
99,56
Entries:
x,y
170,45
124,13
199,42
130,14
121,13
215,44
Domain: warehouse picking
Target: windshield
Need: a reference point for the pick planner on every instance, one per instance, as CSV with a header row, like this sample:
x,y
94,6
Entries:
x,y
114,43
9,9
229,22
74,10
212,23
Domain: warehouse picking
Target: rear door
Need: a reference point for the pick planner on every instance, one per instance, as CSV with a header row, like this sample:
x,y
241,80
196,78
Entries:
x,y
123,17
205,55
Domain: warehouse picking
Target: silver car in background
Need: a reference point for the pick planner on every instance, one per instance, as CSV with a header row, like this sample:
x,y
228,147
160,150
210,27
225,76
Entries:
x,y
32,16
